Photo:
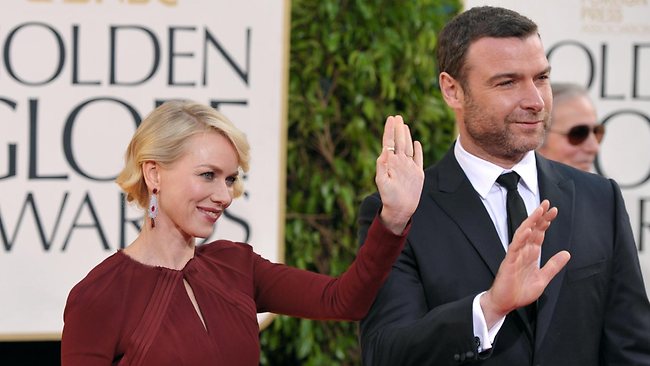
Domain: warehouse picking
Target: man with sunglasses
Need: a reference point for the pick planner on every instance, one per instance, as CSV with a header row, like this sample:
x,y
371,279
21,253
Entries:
x,y
574,135
463,291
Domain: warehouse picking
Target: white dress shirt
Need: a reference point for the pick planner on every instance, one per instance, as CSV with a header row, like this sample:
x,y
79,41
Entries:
x,y
482,175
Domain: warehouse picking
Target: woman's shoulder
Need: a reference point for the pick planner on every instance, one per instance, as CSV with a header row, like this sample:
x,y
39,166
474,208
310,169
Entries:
x,y
97,304
103,281
225,247
228,253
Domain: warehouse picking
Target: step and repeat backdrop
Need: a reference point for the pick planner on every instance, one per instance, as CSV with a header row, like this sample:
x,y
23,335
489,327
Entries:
x,y
605,46
76,78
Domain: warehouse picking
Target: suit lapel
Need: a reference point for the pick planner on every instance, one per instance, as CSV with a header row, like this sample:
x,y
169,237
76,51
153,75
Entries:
x,y
454,193
456,196
560,192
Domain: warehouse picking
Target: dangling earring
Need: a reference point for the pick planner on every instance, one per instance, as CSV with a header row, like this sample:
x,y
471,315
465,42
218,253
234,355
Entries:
x,y
153,207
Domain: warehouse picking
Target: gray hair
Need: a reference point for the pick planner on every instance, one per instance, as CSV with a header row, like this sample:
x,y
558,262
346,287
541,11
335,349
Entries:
x,y
566,91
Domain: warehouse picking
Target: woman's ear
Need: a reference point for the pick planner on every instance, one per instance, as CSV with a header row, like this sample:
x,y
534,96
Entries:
x,y
451,90
151,174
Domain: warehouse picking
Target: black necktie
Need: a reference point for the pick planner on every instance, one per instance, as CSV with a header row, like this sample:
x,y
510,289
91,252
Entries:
x,y
514,203
516,210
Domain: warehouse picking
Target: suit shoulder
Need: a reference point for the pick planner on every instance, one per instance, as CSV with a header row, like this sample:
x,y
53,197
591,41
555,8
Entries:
x,y
585,183
372,197
374,200
578,175
370,205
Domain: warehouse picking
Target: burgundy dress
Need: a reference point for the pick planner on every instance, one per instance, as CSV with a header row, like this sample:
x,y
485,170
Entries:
x,y
128,313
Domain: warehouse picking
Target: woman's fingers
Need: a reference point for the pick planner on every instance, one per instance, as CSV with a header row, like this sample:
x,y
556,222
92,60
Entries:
x,y
388,139
408,142
418,156
397,137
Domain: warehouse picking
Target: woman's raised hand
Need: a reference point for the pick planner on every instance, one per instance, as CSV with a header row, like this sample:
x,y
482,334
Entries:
x,y
399,174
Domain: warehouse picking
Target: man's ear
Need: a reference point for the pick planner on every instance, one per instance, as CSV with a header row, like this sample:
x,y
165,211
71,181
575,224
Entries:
x,y
451,90
151,174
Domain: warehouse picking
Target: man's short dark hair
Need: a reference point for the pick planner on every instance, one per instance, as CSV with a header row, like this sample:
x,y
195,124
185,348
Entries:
x,y
471,25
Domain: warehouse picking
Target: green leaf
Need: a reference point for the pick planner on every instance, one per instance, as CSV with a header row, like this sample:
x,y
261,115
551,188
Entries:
x,y
352,63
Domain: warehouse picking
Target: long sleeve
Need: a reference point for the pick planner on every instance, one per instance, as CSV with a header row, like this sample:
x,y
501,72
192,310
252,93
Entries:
x,y
627,302
91,332
399,329
285,290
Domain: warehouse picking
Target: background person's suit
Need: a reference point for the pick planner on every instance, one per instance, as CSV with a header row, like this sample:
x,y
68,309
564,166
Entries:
x,y
594,312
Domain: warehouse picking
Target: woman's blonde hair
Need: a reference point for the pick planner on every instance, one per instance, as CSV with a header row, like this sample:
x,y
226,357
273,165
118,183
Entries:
x,y
162,137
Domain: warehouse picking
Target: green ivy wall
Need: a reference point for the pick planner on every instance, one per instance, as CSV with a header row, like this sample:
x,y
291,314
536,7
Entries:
x,y
352,63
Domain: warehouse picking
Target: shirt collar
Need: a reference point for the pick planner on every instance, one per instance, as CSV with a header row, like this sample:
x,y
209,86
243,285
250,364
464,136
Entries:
x,y
482,173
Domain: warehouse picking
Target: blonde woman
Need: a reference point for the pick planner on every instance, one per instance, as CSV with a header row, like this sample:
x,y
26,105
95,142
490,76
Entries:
x,y
164,301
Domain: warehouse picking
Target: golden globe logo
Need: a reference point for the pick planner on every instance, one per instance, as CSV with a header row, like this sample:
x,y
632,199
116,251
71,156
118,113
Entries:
x,y
77,78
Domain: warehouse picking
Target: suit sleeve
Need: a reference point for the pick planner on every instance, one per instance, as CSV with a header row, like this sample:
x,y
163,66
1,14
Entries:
x,y
400,329
626,331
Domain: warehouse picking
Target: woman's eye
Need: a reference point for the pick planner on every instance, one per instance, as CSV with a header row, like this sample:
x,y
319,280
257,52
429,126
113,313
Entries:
x,y
231,180
208,175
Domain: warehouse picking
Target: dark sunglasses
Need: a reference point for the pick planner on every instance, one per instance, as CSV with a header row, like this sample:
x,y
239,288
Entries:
x,y
578,134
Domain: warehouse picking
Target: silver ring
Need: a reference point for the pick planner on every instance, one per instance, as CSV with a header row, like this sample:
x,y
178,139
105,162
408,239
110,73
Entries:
x,y
410,156
390,148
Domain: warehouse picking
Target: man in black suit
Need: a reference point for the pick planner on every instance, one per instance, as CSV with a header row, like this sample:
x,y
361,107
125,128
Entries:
x,y
458,294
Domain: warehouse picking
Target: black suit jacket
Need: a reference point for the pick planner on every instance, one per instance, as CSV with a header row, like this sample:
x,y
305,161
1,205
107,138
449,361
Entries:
x,y
594,312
